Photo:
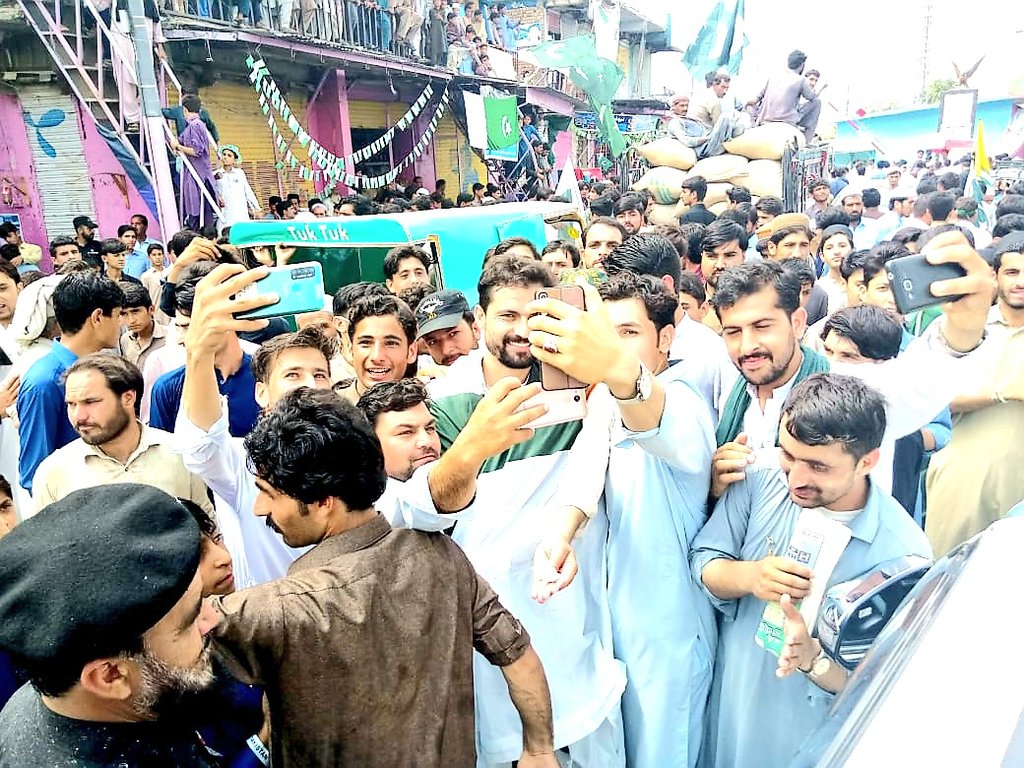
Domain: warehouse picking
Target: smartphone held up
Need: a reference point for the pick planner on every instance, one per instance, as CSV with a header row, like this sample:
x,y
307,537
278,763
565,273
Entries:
x,y
298,287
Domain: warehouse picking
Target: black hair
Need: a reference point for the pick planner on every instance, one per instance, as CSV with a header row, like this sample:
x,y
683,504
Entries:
x,y
831,216
509,271
940,205
738,195
773,206
800,269
723,231
950,182
125,228
7,228
180,241
510,242
79,295
310,337
852,262
1010,204
606,221
925,186
563,245
273,200
907,235
783,232
191,102
121,375
872,198
347,295
691,285
694,232
477,187
659,302
875,332
111,247
396,256
698,185
314,445
645,254
10,270
829,408
630,202
879,256
60,242
416,293
381,306
420,203
935,231
674,234
207,525
135,295
735,283
818,183
1007,223
463,197
604,205
391,396
142,216
361,205
5,487
796,59
185,291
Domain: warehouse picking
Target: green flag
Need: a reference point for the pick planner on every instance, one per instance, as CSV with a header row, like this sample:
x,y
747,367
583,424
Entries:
x,y
598,78
502,116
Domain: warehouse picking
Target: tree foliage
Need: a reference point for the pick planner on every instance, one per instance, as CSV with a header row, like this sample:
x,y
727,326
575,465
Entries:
x,y
932,93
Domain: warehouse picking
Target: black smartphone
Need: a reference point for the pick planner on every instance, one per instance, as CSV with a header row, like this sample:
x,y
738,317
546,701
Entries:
x,y
551,378
911,278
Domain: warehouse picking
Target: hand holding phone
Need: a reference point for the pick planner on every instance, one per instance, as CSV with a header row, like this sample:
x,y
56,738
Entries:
x,y
554,379
298,287
911,278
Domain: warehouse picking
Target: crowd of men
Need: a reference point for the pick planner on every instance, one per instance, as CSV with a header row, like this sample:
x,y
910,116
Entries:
x,y
227,542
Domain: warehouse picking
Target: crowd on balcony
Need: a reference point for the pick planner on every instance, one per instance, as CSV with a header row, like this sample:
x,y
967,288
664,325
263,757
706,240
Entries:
x,y
445,33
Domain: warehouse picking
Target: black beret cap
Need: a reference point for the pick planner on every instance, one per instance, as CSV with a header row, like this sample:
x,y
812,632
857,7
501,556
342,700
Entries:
x,y
92,572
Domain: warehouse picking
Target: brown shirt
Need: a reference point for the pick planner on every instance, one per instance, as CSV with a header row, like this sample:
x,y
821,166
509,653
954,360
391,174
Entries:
x,y
365,650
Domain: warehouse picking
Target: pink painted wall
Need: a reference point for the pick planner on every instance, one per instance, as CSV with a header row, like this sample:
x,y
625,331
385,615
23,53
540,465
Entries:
x,y
114,195
561,149
327,115
18,191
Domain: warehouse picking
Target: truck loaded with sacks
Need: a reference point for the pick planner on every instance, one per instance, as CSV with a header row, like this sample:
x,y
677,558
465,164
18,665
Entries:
x,y
769,160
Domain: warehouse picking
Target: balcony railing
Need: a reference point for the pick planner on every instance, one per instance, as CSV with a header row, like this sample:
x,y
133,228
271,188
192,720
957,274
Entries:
x,y
360,24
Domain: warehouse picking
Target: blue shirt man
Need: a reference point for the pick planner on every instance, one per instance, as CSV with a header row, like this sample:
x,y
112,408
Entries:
x,y
756,719
41,412
238,388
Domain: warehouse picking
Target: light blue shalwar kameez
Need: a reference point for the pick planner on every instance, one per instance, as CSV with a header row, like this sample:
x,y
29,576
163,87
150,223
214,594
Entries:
x,y
663,625
756,720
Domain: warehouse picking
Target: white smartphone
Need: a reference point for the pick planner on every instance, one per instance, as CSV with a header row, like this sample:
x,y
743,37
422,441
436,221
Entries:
x,y
563,405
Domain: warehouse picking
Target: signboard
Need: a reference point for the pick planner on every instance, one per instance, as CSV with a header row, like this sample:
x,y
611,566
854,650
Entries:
x,y
587,121
956,115
11,218
530,22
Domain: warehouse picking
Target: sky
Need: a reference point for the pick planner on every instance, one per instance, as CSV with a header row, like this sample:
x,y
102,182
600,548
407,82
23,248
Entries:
x,y
872,54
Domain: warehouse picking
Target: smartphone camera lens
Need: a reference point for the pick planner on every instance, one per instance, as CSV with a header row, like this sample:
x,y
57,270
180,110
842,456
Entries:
x,y
542,294
576,399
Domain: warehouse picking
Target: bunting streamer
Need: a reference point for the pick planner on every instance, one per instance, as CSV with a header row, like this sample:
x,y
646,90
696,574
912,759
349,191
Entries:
x,y
329,167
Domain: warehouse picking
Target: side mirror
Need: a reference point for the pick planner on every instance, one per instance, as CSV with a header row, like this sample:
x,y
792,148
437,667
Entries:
x,y
854,612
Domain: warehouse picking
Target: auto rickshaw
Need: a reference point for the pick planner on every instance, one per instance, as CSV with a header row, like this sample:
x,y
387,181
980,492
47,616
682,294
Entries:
x,y
352,248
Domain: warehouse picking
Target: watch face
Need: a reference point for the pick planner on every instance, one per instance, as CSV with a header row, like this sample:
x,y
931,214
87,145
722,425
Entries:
x,y
820,666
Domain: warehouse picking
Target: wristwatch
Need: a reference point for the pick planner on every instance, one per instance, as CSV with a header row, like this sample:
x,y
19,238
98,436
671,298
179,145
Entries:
x,y
819,666
644,387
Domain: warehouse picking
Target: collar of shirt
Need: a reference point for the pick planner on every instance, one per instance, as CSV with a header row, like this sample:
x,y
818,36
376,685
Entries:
x,y
148,438
865,525
996,320
345,543
762,426
243,368
63,355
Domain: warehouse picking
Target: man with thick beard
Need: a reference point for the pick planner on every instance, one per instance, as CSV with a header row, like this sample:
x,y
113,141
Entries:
x,y
102,393
102,607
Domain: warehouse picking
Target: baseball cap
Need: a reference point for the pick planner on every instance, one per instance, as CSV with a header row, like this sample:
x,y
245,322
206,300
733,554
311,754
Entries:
x,y
83,221
440,311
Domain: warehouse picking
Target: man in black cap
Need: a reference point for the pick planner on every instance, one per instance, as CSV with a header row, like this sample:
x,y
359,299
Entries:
x,y
102,607
85,236
447,326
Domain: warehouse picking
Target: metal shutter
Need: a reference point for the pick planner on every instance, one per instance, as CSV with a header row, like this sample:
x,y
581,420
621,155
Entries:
x,y
58,155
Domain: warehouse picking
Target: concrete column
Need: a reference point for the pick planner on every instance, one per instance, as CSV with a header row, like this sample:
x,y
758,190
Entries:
x,y
328,118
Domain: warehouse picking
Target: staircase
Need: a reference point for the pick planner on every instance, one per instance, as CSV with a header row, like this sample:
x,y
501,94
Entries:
x,y
75,35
